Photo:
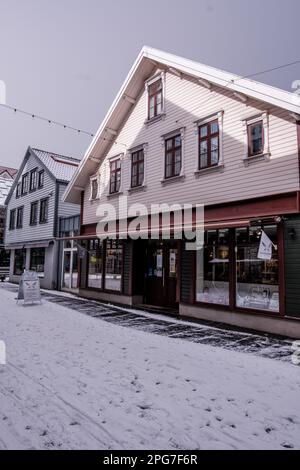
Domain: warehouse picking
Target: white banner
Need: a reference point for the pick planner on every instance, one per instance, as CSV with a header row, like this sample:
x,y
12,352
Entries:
x,y
265,247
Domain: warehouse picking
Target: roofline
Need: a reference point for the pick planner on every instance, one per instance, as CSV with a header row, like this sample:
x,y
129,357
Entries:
x,y
257,90
29,152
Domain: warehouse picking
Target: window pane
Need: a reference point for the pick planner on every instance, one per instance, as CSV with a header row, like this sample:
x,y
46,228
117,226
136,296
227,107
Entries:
x,y
178,141
203,131
168,171
213,271
203,154
214,127
37,260
177,169
95,264
169,144
257,280
257,138
19,262
214,150
113,272
178,155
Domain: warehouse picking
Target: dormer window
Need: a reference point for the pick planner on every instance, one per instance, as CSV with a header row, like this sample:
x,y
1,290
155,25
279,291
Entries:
x,y
155,98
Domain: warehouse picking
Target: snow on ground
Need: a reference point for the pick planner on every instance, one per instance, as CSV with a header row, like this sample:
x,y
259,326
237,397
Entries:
x,y
75,382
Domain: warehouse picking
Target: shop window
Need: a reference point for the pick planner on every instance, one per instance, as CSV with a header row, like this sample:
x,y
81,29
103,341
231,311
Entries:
x,y
37,260
212,284
19,262
95,266
257,280
113,264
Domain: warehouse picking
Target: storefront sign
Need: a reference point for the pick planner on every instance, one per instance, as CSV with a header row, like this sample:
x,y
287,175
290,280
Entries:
x,y
29,287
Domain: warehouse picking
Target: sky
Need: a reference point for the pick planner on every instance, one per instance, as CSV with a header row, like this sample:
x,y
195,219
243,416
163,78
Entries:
x,y
67,59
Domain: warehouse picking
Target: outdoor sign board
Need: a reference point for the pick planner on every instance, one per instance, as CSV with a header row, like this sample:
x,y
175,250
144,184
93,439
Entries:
x,y
29,287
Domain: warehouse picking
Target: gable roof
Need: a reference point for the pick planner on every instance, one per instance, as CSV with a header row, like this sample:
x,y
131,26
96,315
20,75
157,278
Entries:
x,y
59,167
145,65
5,170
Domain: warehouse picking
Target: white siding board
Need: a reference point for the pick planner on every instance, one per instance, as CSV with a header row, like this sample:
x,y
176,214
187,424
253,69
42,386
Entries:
x,y
186,102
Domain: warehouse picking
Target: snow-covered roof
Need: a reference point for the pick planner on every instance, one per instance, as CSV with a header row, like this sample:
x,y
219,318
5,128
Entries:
x,y
5,186
61,167
146,63
7,172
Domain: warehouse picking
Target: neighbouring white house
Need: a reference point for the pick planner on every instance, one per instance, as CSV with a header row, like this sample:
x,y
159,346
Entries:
x,y
182,132
7,176
35,211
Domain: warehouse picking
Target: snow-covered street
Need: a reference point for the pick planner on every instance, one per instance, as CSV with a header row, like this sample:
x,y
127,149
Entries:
x,y
75,382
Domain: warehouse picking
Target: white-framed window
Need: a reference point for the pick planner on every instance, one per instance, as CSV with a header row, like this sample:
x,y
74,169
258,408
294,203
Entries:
x,y
115,175
137,157
173,159
94,187
209,133
256,137
155,88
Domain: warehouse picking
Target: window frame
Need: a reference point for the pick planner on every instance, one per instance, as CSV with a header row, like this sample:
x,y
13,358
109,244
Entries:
x,y
19,190
40,273
137,164
33,179
93,196
12,219
31,222
113,176
155,94
19,220
40,179
44,220
25,184
250,125
172,152
208,138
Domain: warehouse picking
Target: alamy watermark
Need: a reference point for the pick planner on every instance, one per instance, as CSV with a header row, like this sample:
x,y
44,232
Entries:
x,y
2,353
157,221
2,92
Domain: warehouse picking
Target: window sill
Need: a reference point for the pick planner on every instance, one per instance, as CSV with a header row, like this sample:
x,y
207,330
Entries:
x,y
210,169
137,189
160,117
112,195
257,158
173,179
